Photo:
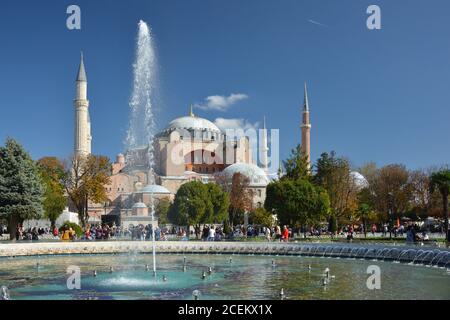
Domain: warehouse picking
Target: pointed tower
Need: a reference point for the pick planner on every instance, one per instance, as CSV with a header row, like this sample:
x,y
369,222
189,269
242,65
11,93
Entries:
x,y
306,129
264,148
83,137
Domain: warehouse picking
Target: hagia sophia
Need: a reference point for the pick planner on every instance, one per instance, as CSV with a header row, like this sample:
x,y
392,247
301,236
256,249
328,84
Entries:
x,y
189,148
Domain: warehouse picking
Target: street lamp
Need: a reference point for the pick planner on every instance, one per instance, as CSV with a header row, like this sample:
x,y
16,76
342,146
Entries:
x,y
391,212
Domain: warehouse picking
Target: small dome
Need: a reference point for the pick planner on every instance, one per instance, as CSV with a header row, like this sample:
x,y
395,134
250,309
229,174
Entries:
x,y
139,205
154,189
256,175
359,180
192,122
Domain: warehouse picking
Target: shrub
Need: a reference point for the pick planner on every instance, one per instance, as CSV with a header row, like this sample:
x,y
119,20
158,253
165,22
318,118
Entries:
x,y
74,226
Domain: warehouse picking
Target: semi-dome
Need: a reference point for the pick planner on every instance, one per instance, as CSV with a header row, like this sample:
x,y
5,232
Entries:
x,y
139,205
359,180
192,122
255,174
154,189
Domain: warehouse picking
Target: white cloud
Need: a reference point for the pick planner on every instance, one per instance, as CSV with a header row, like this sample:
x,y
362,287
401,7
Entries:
x,y
234,124
221,103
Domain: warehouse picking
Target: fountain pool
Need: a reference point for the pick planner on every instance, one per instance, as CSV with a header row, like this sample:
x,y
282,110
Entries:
x,y
246,277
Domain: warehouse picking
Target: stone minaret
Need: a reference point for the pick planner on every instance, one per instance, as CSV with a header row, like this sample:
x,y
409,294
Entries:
x,y
83,137
264,149
306,129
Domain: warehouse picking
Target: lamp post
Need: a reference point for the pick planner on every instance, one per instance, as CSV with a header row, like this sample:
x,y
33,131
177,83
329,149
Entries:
x,y
391,212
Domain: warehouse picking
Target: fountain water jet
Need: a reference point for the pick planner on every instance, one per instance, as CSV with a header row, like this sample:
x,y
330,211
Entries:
x,y
153,237
141,130
4,294
142,125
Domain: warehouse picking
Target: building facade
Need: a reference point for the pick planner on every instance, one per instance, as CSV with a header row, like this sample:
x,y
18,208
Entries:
x,y
189,148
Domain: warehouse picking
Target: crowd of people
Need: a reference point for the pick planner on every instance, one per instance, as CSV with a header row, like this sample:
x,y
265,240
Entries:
x,y
31,233
271,234
211,233
410,231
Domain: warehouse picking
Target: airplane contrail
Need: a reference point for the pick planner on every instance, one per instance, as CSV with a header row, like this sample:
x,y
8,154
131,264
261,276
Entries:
x,y
317,23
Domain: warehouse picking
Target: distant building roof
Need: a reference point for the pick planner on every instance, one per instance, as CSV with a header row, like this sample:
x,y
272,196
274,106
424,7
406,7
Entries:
x,y
139,205
154,189
192,122
255,174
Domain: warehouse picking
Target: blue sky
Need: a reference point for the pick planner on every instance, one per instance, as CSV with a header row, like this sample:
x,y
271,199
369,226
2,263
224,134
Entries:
x,y
378,96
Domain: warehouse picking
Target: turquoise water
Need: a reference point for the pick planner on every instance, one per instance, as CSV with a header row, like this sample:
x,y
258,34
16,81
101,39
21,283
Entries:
x,y
246,277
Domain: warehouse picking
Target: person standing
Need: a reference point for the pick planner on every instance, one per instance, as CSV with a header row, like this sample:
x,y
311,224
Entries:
x,y
278,233
267,232
285,236
212,234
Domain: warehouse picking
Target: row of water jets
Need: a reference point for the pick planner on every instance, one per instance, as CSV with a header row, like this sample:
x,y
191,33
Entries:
x,y
429,257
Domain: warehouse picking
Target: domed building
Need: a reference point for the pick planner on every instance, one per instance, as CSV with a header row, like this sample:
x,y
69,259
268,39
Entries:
x,y
359,180
189,148
194,148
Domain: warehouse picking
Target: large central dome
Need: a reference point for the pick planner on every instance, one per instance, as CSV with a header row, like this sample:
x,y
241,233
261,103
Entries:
x,y
192,123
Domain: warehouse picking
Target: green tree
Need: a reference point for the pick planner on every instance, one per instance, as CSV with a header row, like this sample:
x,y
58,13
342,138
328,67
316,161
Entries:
x,y
441,181
297,203
261,217
220,201
365,213
192,206
84,180
162,211
52,173
21,188
296,166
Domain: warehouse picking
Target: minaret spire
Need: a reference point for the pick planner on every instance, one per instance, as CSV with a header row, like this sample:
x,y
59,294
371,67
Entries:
x,y
306,129
81,76
82,145
264,148
305,100
191,111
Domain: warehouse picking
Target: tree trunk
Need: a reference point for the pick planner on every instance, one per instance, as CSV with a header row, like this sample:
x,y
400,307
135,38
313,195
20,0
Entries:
x,y
13,223
86,212
445,205
197,231
365,228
